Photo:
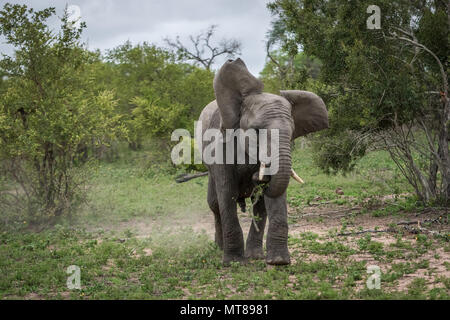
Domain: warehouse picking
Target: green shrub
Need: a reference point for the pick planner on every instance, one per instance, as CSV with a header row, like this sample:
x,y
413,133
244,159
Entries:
x,y
50,109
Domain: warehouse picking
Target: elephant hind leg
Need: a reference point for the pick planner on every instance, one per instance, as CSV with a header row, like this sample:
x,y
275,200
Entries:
x,y
214,206
254,244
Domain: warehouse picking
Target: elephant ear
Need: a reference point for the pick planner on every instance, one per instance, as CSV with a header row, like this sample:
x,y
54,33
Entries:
x,y
308,110
232,83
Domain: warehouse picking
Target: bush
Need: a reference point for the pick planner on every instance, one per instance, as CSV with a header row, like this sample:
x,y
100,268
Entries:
x,y
156,94
333,153
51,108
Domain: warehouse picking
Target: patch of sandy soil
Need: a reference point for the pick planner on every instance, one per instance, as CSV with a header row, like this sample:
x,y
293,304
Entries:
x,y
321,220
330,218
199,222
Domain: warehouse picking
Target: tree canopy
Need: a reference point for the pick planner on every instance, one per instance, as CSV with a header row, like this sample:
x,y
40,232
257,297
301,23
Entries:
x,y
384,87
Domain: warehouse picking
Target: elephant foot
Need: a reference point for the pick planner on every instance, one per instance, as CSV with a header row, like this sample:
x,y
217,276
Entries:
x,y
227,259
254,253
278,257
219,242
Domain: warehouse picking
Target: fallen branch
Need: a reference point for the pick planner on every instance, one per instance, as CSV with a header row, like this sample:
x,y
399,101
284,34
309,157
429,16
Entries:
x,y
313,204
363,231
418,222
419,228
332,214
430,209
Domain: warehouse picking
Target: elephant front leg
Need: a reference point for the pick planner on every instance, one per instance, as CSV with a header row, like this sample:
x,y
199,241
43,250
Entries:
x,y
277,234
254,245
233,238
214,206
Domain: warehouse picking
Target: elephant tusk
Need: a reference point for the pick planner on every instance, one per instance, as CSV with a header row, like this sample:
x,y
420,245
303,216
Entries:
x,y
261,171
296,177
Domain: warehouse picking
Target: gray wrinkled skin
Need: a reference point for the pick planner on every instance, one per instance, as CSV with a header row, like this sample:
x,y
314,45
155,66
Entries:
x,y
241,103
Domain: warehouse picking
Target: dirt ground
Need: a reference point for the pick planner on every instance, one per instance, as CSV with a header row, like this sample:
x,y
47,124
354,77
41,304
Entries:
x,y
319,219
325,220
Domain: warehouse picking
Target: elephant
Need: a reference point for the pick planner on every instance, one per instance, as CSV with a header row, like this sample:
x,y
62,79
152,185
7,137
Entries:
x,y
241,104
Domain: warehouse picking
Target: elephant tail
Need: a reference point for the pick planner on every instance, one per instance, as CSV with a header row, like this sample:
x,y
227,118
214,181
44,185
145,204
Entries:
x,y
186,177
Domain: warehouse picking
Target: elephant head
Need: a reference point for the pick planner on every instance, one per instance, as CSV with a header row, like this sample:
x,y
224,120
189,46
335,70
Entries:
x,y
242,104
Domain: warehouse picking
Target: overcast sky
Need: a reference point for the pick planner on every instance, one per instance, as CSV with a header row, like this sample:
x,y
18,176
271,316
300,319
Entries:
x,y
112,22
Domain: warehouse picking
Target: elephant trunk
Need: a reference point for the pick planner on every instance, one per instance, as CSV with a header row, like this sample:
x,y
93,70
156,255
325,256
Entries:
x,y
280,181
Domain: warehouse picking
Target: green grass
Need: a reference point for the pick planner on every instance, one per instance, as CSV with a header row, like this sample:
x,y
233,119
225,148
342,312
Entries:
x,y
119,193
375,175
124,189
188,265
117,264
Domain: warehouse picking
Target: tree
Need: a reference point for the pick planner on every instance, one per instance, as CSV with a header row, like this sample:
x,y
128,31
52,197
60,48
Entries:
x,y
156,94
132,70
390,85
283,72
50,106
203,51
286,68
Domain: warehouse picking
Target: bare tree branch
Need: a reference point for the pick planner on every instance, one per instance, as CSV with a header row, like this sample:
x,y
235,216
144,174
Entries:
x,y
439,158
203,51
